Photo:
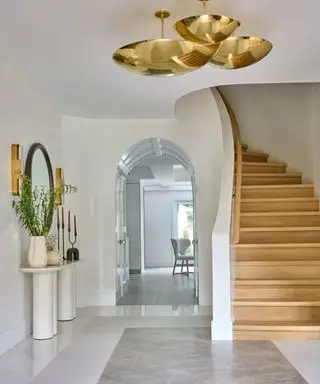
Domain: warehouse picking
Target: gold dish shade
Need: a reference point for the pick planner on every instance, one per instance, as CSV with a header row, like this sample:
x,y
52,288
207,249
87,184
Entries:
x,y
162,57
240,51
206,29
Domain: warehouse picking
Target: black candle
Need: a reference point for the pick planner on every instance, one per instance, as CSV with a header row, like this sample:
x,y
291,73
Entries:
x,y
69,227
75,225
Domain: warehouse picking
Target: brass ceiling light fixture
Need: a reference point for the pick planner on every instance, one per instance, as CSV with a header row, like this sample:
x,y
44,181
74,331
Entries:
x,y
162,57
229,52
205,28
240,51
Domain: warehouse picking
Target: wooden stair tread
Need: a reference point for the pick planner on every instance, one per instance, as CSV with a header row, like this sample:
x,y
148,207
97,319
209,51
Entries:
x,y
277,186
258,154
296,213
279,229
277,325
275,303
277,199
279,245
277,282
304,262
269,164
287,174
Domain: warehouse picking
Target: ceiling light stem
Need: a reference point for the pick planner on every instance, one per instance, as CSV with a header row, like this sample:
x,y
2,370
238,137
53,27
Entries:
x,y
162,14
204,6
162,28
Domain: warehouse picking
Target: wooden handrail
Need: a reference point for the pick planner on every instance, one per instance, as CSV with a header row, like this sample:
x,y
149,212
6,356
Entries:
x,y
238,170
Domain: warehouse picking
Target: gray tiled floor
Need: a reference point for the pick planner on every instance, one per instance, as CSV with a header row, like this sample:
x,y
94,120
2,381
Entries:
x,y
176,356
159,287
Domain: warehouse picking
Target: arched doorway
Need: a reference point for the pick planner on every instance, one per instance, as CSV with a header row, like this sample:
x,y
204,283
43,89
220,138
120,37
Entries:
x,y
140,152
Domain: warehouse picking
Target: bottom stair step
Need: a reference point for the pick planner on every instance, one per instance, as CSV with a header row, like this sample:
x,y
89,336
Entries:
x,y
289,330
276,310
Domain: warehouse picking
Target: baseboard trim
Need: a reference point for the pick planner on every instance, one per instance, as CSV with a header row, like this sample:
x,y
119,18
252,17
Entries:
x,y
222,332
135,271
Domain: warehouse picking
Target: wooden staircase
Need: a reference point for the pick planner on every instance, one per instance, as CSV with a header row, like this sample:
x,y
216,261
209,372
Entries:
x,y
277,267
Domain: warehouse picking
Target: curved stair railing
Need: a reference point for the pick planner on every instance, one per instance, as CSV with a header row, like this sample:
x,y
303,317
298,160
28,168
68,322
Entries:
x,y
237,173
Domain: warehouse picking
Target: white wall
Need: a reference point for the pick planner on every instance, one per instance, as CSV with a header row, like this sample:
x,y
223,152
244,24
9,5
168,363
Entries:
x,y
159,205
282,120
25,117
97,148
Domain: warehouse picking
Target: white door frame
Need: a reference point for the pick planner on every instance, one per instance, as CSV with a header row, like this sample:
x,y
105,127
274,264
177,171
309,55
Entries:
x,y
139,152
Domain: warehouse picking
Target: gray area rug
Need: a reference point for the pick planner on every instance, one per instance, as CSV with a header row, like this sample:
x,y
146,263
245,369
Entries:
x,y
187,356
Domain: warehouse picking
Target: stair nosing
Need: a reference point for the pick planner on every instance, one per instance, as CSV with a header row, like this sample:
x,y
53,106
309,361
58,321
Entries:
x,y
277,282
292,174
275,303
276,245
304,262
268,164
274,199
277,186
291,213
279,229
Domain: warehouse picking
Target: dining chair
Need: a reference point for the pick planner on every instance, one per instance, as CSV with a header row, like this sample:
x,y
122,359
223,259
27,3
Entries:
x,y
180,247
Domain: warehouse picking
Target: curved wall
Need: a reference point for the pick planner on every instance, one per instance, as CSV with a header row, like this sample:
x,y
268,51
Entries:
x,y
97,146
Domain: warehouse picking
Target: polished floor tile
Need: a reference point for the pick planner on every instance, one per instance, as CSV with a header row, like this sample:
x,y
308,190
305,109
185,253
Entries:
x,y
176,356
159,287
304,356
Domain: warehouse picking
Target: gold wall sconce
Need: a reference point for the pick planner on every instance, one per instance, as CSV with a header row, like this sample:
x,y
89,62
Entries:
x,y
15,169
59,184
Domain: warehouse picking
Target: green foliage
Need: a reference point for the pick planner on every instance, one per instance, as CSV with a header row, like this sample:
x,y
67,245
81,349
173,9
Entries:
x,y
35,206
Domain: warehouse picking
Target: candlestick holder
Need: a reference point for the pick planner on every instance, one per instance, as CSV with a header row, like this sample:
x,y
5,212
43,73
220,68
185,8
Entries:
x,y
72,253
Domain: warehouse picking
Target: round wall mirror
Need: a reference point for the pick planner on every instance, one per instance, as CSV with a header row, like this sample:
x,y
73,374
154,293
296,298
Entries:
x,y
38,167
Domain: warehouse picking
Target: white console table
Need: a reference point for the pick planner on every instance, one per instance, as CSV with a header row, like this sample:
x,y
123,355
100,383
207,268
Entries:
x,y
54,297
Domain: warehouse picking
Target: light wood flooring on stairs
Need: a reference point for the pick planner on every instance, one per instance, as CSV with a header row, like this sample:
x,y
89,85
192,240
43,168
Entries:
x,y
277,266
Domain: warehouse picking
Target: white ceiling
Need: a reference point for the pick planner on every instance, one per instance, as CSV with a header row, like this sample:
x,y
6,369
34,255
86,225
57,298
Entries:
x,y
64,47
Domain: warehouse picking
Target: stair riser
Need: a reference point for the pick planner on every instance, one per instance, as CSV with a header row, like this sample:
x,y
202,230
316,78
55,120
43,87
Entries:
x,y
251,254
276,180
276,313
276,193
280,237
280,221
249,168
278,293
247,157
279,206
274,335
277,272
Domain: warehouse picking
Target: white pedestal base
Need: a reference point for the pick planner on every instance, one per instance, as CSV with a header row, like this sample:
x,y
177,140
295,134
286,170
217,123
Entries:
x,y
43,306
67,293
54,297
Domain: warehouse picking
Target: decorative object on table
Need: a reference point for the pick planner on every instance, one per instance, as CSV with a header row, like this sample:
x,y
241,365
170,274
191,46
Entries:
x,y
15,169
34,209
59,183
72,253
53,254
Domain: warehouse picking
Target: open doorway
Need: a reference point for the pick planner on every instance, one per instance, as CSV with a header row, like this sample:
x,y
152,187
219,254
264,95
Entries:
x,y
157,261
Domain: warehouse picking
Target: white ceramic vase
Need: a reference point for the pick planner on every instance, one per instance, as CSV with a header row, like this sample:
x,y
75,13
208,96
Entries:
x,y
37,255
53,258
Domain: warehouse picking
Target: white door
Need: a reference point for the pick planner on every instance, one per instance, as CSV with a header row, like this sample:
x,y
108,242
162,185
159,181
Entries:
x,y
122,270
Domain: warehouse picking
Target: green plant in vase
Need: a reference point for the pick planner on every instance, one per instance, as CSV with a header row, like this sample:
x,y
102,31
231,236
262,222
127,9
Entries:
x,y
35,209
